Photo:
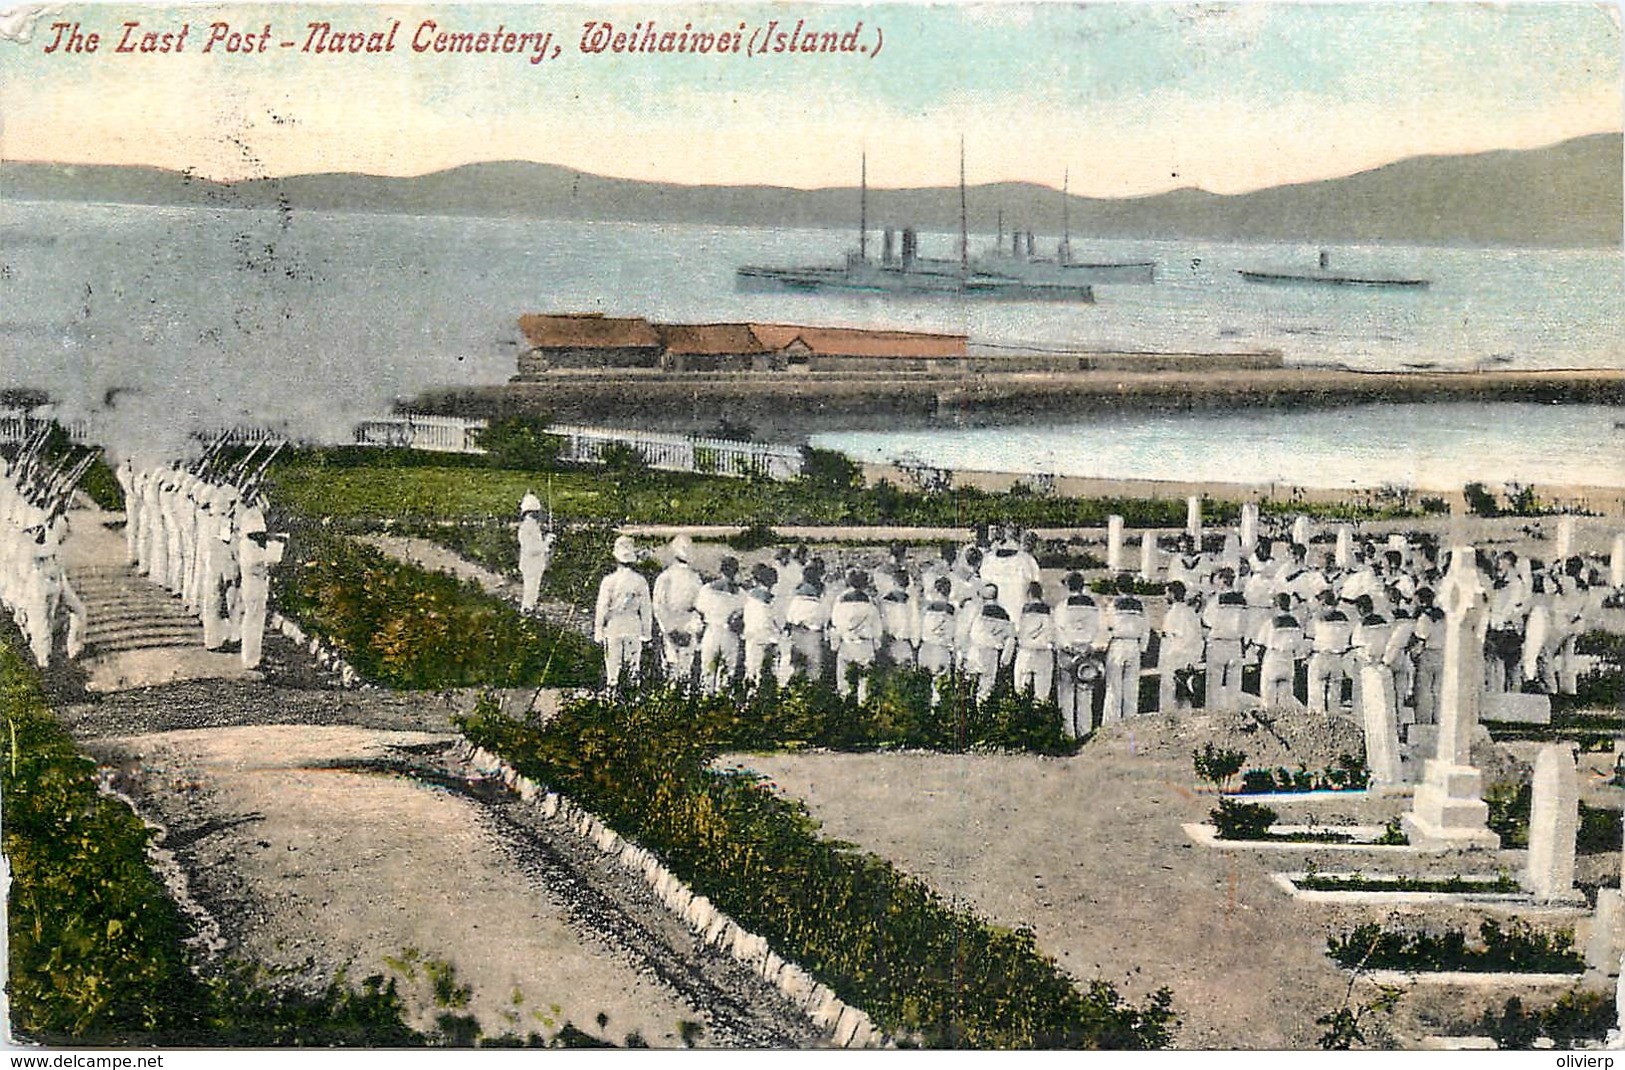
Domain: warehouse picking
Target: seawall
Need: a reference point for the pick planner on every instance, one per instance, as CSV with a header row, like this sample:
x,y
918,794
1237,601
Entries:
x,y
790,407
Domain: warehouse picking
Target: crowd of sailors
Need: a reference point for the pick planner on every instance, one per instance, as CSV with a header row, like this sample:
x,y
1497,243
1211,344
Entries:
x,y
1308,619
198,531
34,587
201,535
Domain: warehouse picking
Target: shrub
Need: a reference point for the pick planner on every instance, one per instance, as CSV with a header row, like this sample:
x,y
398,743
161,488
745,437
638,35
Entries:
x,y
1480,502
1575,1017
1242,821
1348,773
1517,948
1216,765
520,442
878,938
757,536
400,625
830,470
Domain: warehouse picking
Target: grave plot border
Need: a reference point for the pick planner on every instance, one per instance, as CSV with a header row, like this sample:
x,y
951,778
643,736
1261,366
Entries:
x,y
1508,902
1206,835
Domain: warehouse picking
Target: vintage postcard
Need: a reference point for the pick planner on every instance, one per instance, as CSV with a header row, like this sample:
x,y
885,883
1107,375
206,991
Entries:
x,y
793,526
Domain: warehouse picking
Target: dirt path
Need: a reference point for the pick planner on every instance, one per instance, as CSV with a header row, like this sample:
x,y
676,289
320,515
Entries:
x,y
322,830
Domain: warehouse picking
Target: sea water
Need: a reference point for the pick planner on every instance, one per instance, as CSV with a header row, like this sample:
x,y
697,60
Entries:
x,y
316,319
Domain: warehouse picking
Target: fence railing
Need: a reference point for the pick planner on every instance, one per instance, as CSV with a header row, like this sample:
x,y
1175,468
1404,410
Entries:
x,y
20,427
681,453
437,434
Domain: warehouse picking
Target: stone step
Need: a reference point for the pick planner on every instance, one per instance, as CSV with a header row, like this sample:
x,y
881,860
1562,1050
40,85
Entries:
x,y
160,644
176,635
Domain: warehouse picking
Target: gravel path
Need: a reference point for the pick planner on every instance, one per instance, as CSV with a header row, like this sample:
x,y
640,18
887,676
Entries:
x,y
320,830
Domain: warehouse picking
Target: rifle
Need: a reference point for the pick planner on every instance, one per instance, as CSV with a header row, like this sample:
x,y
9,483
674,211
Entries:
x,y
64,492
241,466
252,483
38,490
201,465
28,456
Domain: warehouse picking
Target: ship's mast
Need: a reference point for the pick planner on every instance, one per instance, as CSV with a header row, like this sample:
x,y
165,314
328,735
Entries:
x,y
964,225
1066,207
1066,217
863,209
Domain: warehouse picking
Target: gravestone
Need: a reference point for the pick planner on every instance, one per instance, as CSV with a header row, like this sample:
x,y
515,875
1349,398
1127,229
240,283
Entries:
x,y
1300,531
1565,538
1193,519
1249,527
1114,543
1381,733
1514,707
1554,821
1449,809
1345,546
1148,556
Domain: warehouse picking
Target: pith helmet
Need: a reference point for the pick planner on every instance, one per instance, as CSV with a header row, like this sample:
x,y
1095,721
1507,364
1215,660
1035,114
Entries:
x,y
530,504
626,551
682,548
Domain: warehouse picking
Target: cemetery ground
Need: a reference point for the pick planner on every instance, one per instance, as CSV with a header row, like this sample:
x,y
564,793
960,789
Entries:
x,y
1087,850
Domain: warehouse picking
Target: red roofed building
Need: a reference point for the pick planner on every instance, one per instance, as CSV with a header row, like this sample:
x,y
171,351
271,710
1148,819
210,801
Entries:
x,y
715,347
587,340
855,349
594,341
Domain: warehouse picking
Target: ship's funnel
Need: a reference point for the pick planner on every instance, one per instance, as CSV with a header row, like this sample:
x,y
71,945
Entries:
x,y
911,248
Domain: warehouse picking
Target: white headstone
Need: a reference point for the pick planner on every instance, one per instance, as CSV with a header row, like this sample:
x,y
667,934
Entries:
x,y
1616,562
1565,538
1554,821
1300,531
1193,519
1381,731
1345,546
1148,556
1114,543
1249,527
1449,809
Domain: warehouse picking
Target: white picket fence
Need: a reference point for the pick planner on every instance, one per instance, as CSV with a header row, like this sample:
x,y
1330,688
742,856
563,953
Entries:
x,y
682,453
20,427
670,452
437,434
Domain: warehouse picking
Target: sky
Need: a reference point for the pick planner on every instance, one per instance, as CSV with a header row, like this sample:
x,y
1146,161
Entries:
x,y
1125,99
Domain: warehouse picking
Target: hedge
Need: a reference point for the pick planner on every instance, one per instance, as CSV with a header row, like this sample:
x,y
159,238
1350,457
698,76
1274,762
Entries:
x,y
1517,948
409,628
348,483
881,940
96,944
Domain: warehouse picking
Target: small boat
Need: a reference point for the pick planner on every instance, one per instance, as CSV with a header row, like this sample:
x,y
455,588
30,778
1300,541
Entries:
x,y
1325,276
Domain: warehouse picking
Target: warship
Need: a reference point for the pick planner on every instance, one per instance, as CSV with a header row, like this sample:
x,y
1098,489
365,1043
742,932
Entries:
x,y
902,272
1325,276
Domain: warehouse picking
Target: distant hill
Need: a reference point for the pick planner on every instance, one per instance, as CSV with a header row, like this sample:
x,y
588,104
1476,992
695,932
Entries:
x,y
1563,195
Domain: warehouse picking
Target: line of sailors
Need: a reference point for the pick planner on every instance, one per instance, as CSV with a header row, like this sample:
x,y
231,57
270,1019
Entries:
x,y
980,614
1308,628
34,587
201,539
